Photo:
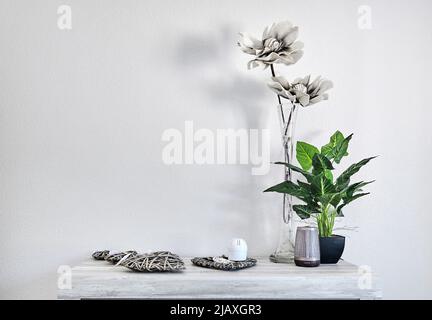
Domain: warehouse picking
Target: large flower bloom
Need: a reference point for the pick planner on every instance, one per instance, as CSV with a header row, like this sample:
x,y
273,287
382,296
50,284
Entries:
x,y
278,45
301,91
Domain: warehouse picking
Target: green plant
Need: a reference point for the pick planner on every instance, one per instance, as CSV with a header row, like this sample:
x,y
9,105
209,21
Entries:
x,y
324,196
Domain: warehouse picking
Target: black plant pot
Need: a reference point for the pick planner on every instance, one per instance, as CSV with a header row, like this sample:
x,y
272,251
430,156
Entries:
x,y
331,248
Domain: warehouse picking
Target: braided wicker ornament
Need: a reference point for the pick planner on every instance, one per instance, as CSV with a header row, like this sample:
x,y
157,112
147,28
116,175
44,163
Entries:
x,y
116,257
159,261
100,255
222,263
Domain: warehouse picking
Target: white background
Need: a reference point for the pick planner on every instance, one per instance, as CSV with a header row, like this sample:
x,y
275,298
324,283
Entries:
x,y
82,113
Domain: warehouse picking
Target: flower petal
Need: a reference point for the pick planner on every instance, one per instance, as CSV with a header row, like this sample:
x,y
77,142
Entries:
x,y
265,34
272,57
280,30
279,90
282,81
297,55
287,58
291,58
246,49
276,86
316,99
296,46
251,42
313,87
290,36
305,80
324,86
253,64
303,99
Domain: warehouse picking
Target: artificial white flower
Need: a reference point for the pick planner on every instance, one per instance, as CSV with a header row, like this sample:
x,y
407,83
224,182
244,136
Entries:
x,y
278,45
301,91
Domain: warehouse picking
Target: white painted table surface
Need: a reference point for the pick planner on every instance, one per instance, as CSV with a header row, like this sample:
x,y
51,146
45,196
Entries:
x,y
267,280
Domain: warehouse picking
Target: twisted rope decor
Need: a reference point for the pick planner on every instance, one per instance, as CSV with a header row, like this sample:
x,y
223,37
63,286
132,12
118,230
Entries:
x,y
116,257
222,263
159,261
100,255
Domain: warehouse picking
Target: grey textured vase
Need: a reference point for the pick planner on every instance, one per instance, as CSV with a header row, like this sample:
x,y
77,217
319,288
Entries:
x,y
307,247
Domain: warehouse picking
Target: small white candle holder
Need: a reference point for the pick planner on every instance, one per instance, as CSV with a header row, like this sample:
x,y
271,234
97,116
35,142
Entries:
x,y
237,250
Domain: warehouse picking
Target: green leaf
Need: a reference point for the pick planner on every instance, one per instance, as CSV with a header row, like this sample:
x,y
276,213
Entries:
x,y
305,153
341,149
356,187
308,196
349,200
335,139
328,174
321,185
327,198
332,198
303,211
320,163
304,185
336,199
337,147
306,174
343,180
349,194
288,187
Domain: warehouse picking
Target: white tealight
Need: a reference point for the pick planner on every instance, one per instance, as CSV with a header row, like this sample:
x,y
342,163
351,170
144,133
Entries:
x,y
238,250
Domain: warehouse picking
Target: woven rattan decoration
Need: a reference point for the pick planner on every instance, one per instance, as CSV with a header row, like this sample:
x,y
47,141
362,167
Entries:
x,y
222,263
160,261
116,257
100,255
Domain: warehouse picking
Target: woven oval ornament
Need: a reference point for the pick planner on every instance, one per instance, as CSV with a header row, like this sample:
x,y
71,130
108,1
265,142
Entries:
x,y
159,261
222,263
116,257
100,255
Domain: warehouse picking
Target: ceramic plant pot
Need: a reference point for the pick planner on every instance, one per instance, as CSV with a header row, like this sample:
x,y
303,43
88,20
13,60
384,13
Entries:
x,y
331,248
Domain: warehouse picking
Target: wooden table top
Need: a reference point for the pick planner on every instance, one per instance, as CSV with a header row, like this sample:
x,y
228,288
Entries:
x,y
267,280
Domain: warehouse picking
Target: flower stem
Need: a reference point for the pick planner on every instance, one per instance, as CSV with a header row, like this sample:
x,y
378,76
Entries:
x,y
278,97
286,198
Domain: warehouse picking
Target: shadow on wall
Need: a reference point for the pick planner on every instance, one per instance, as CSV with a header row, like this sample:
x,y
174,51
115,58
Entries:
x,y
211,60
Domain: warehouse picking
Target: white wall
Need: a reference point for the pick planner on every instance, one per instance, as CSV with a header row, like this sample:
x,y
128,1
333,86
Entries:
x,y
82,113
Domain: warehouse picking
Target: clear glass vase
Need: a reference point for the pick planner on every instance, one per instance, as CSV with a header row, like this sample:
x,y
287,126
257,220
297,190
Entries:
x,y
285,250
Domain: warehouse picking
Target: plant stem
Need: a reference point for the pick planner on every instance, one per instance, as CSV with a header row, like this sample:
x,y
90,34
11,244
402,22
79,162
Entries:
x,y
326,221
